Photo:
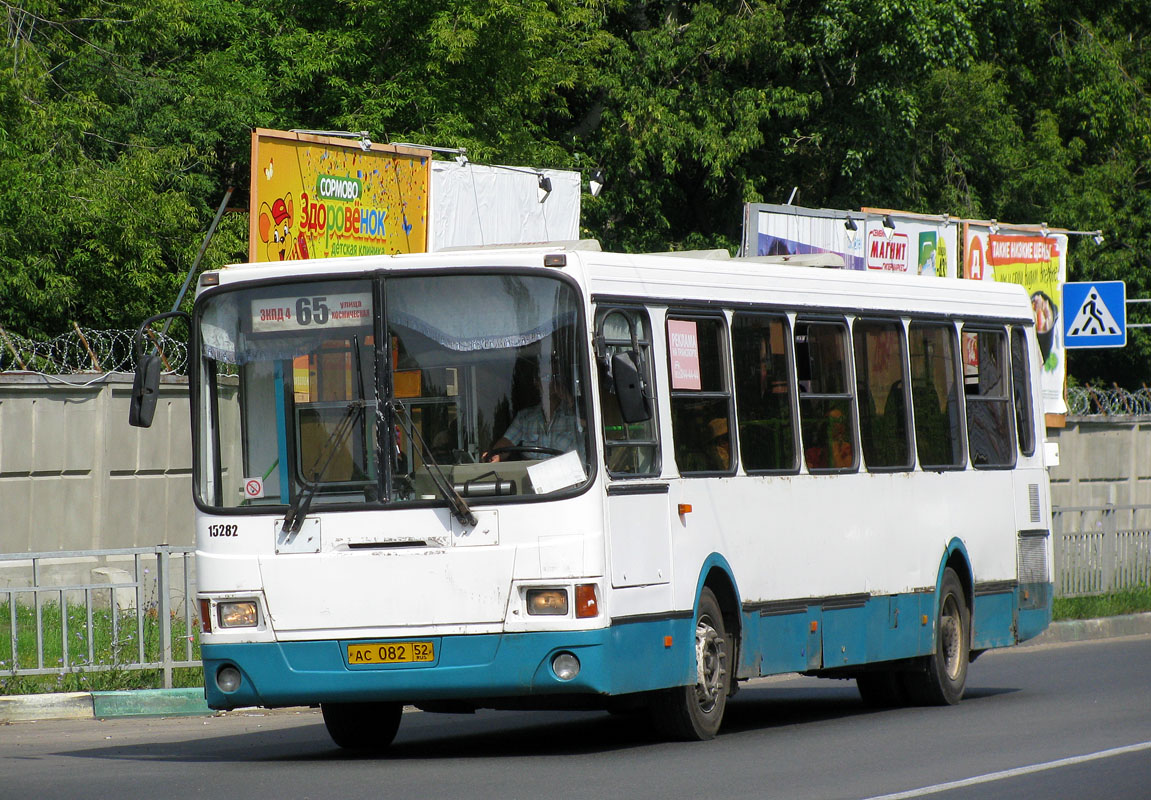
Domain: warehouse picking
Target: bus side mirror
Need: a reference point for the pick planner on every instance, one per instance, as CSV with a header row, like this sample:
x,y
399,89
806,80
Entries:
x,y
634,405
145,391
624,370
146,384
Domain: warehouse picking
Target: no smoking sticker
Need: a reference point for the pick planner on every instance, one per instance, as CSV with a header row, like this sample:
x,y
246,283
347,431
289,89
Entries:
x,y
253,488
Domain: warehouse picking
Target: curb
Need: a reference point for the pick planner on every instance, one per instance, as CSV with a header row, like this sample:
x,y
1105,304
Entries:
x,y
190,702
150,703
1086,630
104,705
30,707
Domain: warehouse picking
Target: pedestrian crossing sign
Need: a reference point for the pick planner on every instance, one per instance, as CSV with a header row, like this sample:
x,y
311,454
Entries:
x,y
1094,314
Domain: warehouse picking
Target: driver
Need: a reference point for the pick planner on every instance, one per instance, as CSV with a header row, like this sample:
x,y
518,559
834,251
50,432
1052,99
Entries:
x,y
551,424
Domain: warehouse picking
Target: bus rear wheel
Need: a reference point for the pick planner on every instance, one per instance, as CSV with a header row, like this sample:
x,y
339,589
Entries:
x,y
694,713
944,678
364,727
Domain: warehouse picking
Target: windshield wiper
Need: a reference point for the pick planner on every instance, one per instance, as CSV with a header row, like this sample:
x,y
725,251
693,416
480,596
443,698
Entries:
x,y
294,519
459,506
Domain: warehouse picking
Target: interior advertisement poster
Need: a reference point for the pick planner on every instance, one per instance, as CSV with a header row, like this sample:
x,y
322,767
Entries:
x,y
916,245
323,197
1039,262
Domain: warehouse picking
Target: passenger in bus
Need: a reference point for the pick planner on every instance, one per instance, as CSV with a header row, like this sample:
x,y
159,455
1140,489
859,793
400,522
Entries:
x,y
837,450
719,445
550,425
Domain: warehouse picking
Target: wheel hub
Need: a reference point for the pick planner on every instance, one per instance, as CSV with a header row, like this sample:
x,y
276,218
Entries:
x,y
711,666
950,644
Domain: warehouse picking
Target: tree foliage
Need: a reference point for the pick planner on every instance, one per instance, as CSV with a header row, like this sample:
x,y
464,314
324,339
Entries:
x,y
123,122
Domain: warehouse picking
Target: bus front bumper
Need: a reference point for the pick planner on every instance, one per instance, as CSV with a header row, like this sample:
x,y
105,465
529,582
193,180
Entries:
x,y
620,659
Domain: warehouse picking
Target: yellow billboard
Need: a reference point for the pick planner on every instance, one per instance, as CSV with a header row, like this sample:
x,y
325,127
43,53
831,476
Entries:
x,y
323,197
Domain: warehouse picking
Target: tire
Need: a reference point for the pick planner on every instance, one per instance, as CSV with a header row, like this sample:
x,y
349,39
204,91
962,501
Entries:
x,y
881,689
363,727
695,712
944,677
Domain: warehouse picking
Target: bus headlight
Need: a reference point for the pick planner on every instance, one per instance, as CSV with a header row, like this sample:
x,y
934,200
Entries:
x,y
552,602
237,614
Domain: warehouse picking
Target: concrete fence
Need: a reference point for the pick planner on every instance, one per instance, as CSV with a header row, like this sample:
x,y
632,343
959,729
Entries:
x,y
75,476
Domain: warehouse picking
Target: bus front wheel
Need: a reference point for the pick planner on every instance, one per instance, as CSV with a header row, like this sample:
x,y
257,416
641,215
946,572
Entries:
x,y
365,727
694,713
944,678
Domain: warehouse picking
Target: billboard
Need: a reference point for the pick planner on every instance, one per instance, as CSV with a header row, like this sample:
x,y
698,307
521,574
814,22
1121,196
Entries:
x,y
476,204
871,239
882,240
1036,259
323,197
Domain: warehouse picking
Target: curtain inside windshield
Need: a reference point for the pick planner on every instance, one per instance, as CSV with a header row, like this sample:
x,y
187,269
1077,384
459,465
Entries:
x,y
489,370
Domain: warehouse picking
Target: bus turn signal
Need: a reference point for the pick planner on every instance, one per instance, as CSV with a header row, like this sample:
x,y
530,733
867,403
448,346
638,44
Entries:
x,y
586,603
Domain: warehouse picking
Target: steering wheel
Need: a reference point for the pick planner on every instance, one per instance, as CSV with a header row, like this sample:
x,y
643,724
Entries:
x,y
522,448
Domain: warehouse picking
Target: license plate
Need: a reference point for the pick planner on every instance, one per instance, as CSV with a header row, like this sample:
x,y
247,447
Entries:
x,y
391,653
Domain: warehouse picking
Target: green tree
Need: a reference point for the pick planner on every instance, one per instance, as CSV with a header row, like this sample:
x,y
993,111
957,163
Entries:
x,y
123,123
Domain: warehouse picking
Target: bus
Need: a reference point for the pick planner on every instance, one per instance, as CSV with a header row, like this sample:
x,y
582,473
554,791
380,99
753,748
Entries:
x,y
554,477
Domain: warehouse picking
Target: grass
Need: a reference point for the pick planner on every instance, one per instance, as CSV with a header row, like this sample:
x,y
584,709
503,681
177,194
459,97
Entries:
x,y
1127,601
115,645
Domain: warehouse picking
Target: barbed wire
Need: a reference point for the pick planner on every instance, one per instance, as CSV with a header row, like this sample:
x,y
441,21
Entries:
x,y
1093,401
84,350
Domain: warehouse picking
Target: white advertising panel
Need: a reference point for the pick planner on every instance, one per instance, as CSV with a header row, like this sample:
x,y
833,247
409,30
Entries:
x,y
475,204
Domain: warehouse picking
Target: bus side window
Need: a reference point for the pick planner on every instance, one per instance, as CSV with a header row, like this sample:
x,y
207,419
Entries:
x,y
700,398
763,392
990,434
882,393
1021,385
826,403
629,448
935,395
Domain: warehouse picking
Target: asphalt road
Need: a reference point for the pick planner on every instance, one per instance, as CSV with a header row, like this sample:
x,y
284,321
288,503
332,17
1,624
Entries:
x,y
1059,721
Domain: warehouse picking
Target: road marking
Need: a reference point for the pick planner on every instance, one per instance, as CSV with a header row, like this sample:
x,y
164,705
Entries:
x,y
1014,773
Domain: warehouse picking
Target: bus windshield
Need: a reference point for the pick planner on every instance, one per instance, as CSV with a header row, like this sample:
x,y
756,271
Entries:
x,y
469,385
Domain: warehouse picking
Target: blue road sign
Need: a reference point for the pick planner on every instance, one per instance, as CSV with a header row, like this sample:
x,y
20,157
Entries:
x,y
1094,314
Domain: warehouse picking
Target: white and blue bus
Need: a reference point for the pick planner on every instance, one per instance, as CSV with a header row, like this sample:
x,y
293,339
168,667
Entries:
x,y
557,477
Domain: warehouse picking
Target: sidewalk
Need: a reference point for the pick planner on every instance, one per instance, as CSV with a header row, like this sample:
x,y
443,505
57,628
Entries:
x,y
190,702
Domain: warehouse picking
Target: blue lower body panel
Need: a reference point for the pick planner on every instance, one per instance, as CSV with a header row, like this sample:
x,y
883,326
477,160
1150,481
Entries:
x,y
833,636
838,635
621,659
1034,609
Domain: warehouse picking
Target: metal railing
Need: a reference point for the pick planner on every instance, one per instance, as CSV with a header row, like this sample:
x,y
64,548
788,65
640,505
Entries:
x,y
1101,549
98,611
136,610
